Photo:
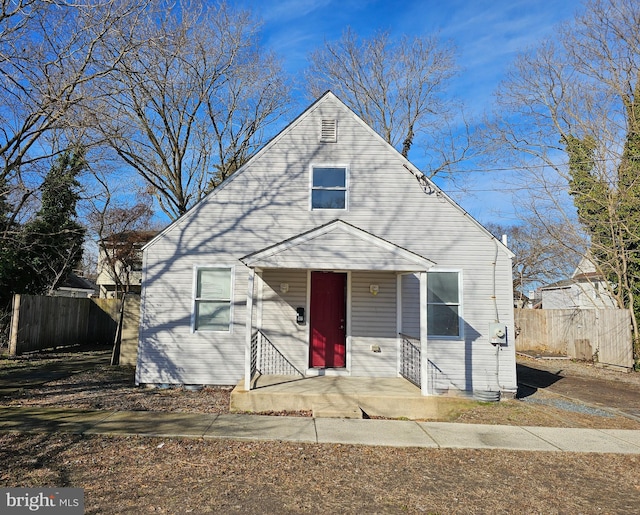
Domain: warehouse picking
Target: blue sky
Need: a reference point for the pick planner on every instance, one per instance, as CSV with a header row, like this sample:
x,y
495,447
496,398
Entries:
x,y
488,34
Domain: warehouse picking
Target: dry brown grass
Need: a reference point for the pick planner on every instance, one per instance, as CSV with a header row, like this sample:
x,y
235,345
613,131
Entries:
x,y
151,475
163,475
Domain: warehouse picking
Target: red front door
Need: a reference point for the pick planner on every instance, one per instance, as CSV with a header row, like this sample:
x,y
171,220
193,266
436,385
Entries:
x,y
327,319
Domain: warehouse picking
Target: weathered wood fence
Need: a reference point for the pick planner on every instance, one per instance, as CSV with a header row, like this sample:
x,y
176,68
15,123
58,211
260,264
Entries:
x,y
603,335
125,351
39,322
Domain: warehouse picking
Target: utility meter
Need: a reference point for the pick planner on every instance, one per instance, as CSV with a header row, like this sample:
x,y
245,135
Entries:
x,y
498,333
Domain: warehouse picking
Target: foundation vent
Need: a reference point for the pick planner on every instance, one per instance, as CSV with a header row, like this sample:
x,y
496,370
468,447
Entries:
x,y
329,131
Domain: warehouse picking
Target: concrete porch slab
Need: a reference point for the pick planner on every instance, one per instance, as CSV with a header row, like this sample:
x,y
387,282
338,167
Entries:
x,y
336,410
392,397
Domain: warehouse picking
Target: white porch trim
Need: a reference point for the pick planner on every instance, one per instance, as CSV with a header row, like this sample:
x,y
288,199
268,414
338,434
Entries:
x,y
317,250
248,333
424,359
398,324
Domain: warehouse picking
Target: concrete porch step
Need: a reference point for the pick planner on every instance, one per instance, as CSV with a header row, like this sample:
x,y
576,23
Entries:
x,y
336,410
339,396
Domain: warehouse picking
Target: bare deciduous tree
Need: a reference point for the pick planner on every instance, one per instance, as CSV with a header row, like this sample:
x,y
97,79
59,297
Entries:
x,y
570,113
397,87
193,104
50,51
541,255
121,229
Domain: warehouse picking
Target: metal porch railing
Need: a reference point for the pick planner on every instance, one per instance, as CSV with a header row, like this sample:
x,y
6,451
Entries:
x,y
266,359
410,359
410,369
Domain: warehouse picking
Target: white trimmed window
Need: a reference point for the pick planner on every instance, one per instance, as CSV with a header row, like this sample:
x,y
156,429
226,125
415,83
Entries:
x,y
443,304
328,187
212,299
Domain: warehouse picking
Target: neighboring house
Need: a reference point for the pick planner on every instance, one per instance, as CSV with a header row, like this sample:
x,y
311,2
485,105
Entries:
x,y
120,263
76,286
330,253
586,289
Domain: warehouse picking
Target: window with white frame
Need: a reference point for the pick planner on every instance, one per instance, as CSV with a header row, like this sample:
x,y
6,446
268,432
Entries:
x,y
443,304
329,187
212,299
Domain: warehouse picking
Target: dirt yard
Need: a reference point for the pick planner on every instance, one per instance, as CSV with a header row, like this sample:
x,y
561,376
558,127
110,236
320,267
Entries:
x,y
112,388
161,475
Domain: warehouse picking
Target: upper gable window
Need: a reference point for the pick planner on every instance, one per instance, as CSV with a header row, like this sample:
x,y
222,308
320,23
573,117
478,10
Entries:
x,y
329,187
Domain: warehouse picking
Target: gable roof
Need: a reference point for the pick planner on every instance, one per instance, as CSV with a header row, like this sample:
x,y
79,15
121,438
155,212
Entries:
x,y
337,245
76,282
424,182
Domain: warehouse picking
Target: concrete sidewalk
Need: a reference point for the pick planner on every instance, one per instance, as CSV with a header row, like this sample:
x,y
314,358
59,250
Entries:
x,y
318,430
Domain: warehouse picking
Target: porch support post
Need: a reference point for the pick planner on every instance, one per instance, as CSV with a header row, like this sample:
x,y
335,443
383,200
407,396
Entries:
x,y
424,360
399,323
248,335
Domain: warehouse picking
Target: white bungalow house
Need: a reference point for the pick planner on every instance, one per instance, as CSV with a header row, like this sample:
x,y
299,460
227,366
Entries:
x,y
328,253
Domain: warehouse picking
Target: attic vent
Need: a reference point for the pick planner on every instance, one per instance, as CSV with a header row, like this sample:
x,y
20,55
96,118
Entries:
x,y
329,131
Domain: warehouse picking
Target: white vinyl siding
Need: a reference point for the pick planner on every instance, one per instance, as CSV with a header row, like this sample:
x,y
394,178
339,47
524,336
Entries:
x,y
212,306
373,325
278,320
411,305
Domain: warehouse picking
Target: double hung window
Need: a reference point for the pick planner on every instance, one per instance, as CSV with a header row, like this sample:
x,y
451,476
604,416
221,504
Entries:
x,y
329,187
212,299
443,304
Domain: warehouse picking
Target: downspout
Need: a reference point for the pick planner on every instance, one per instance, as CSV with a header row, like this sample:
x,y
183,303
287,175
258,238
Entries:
x,y
495,305
495,274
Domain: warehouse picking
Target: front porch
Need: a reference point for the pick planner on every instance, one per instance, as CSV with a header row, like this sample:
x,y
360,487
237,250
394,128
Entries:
x,y
344,397
336,298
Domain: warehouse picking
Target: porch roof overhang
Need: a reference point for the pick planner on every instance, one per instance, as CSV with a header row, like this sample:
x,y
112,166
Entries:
x,y
337,245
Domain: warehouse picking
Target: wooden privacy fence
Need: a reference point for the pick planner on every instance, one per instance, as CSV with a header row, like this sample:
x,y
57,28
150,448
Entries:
x,y
603,335
125,351
39,322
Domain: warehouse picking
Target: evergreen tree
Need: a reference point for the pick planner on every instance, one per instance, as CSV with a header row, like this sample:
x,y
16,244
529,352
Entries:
x,y
610,210
52,241
629,206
